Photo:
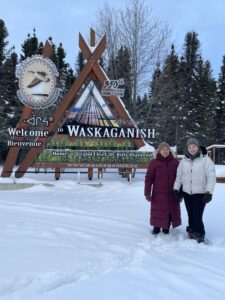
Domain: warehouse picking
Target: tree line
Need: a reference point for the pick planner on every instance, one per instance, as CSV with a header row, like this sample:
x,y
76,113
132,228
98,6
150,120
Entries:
x,y
183,98
175,94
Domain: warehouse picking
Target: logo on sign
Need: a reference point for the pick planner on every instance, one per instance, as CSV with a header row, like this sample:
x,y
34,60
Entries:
x,y
37,82
111,87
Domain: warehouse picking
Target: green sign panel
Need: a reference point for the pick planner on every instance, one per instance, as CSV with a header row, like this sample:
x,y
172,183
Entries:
x,y
95,157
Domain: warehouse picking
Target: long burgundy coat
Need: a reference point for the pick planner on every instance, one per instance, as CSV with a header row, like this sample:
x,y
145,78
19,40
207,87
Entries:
x,y
159,182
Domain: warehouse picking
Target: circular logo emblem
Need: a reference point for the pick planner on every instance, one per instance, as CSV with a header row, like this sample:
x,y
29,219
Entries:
x,y
37,82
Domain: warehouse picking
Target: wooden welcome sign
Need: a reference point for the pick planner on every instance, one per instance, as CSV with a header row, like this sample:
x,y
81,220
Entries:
x,y
83,128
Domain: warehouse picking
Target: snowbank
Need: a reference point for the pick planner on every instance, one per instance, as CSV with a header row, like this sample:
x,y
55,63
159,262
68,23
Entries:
x,y
88,242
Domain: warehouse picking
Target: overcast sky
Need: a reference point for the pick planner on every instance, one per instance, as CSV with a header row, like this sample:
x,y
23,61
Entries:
x,y
64,19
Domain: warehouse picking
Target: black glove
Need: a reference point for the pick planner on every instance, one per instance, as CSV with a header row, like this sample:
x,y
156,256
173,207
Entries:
x,y
207,197
177,196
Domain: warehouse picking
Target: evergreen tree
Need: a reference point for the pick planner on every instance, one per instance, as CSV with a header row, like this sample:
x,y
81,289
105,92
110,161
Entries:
x,y
141,115
3,121
70,77
112,68
3,136
61,57
204,96
219,119
164,100
124,71
30,46
118,68
40,48
12,106
189,64
66,76
80,62
54,57
3,41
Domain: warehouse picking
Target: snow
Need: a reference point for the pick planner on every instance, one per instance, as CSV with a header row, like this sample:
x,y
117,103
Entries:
x,y
220,170
147,147
90,241
215,146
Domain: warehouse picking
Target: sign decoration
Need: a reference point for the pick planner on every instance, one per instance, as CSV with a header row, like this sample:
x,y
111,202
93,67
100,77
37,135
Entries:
x,y
35,120
107,132
93,158
111,87
37,90
37,82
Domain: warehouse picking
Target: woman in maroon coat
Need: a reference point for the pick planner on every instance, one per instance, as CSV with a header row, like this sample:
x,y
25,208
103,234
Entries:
x,y
159,180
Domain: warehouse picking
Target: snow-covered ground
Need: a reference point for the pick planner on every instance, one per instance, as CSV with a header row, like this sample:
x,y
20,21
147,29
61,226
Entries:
x,y
92,242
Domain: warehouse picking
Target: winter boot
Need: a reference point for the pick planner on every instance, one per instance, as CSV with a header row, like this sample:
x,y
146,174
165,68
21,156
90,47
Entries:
x,y
199,237
156,230
190,232
166,230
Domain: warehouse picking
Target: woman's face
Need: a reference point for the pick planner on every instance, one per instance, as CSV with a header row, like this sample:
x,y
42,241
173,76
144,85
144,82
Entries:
x,y
193,149
165,151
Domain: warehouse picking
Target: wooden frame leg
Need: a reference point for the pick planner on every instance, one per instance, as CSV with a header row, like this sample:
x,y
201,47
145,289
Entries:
x,y
90,173
57,173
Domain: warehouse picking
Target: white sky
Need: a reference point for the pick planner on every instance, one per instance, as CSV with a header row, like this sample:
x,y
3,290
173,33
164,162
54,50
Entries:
x,y
63,20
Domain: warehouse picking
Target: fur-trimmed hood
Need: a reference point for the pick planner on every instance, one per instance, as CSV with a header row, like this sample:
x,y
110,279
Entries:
x,y
157,152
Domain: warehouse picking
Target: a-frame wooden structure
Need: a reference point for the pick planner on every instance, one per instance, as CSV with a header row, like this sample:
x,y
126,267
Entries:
x,y
26,114
91,71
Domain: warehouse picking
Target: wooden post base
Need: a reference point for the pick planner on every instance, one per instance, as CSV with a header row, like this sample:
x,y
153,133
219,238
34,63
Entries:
x,y
90,173
57,173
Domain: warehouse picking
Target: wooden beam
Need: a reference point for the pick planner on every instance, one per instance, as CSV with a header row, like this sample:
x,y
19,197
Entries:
x,y
101,77
91,66
92,37
86,50
13,152
116,102
47,50
214,155
57,173
90,173
68,98
220,179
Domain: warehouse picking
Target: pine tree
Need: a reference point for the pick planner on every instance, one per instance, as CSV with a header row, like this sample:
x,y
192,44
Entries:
x,y
61,57
142,111
112,68
204,95
80,62
12,104
3,121
219,120
188,68
118,68
164,100
65,72
30,46
3,42
124,71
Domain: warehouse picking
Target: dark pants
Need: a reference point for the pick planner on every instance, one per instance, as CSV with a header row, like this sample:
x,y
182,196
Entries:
x,y
195,208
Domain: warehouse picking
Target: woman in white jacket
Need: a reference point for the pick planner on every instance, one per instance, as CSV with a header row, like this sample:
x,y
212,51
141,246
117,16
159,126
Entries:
x,y
196,176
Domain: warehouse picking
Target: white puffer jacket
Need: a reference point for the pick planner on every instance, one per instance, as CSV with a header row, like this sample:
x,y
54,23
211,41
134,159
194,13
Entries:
x,y
197,176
